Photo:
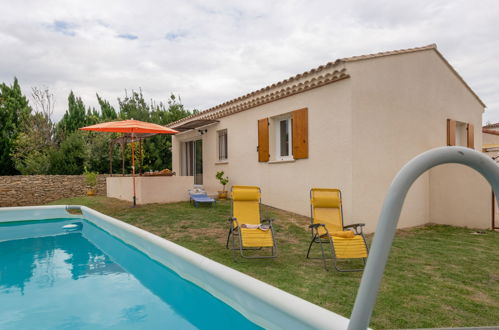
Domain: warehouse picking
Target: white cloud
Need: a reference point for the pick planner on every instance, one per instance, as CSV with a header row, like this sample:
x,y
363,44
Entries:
x,y
211,51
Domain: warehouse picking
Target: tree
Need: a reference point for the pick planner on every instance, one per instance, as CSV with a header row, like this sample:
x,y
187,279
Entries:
x,y
43,101
97,144
134,107
74,117
33,145
14,109
157,149
39,148
93,117
162,115
71,155
107,111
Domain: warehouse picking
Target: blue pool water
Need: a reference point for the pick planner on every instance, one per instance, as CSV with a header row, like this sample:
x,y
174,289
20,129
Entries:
x,y
84,278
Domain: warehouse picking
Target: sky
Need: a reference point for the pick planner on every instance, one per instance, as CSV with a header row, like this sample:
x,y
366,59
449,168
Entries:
x,y
208,52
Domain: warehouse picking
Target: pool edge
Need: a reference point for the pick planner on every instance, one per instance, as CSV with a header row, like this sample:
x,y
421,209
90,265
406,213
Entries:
x,y
216,277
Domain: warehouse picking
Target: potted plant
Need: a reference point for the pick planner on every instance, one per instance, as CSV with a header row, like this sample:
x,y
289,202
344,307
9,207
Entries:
x,y
220,177
91,181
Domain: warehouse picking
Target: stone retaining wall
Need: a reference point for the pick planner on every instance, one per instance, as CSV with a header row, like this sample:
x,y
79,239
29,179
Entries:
x,y
25,190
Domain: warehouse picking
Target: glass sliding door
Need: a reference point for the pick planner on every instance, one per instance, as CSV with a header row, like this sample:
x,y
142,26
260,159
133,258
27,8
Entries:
x,y
187,159
198,162
192,162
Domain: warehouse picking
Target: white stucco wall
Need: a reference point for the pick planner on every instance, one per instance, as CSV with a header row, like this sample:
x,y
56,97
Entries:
x,y
152,189
490,138
400,108
362,130
460,197
284,185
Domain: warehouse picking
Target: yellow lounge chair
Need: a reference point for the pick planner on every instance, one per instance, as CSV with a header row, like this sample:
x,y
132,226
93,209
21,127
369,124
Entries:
x,y
245,223
327,228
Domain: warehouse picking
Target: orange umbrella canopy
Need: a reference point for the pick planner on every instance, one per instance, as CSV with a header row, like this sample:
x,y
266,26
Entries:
x,y
129,126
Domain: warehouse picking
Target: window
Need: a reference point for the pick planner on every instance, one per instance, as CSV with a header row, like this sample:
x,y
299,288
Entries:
x,y
283,136
460,134
188,159
290,133
192,160
222,145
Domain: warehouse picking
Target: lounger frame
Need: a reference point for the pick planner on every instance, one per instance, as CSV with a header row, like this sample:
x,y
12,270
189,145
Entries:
x,y
234,231
327,239
193,200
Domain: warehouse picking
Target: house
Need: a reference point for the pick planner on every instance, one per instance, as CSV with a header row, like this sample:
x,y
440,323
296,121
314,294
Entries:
x,y
490,147
350,124
490,138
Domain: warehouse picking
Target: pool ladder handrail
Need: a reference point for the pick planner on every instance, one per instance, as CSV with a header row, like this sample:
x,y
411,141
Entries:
x,y
390,213
74,209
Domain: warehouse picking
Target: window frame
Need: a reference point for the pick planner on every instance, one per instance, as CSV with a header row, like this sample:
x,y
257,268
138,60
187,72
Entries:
x,y
277,132
223,150
460,134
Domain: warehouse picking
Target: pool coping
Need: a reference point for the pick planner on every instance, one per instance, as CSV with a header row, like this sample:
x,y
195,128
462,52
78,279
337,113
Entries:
x,y
260,303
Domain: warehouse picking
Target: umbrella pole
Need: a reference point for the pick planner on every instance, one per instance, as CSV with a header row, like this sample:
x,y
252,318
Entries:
x,y
133,174
123,155
111,145
140,155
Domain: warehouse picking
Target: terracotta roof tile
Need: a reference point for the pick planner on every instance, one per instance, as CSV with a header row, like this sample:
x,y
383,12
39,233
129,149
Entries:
x,y
320,76
294,85
490,131
388,53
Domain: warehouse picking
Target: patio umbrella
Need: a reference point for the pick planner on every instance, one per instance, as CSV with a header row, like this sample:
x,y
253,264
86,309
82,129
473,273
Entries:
x,y
130,126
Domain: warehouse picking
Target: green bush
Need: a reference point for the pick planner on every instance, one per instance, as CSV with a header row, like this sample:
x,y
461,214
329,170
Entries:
x,y
91,179
70,158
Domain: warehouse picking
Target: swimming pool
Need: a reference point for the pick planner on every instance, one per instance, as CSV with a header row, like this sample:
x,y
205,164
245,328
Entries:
x,y
46,275
103,273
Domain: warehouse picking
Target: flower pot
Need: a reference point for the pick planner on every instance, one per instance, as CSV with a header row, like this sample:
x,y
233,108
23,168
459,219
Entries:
x,y
91,192
222,195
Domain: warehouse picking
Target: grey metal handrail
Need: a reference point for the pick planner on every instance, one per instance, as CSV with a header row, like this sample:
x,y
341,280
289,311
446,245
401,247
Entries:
x,y
387,225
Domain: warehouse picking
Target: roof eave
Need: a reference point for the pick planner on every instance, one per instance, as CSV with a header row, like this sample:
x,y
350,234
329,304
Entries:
x,y
460,78
286,88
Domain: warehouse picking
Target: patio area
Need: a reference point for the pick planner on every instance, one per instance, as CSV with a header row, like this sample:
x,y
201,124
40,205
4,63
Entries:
x,y
437,276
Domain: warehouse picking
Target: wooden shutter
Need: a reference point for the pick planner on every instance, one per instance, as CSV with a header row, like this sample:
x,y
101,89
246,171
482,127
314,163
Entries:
x,y
471,136
263,140
300,133
451,132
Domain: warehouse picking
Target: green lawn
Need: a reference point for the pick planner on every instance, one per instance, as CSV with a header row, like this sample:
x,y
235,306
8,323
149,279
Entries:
x,y
437,276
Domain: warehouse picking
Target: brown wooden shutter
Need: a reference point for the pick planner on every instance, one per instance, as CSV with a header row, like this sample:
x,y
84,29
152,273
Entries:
x,y
471,136
300,133
451,132
263,140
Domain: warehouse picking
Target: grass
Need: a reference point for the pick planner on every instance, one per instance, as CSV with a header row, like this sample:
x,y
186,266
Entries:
x,y
437,276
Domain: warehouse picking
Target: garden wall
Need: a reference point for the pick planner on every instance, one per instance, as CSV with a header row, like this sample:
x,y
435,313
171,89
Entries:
x,y
24,190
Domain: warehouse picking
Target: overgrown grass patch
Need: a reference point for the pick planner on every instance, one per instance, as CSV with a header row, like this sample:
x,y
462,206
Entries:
x,y
437,276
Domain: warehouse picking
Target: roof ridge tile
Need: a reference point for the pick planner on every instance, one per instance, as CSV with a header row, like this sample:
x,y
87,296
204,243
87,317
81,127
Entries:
x,y
299,83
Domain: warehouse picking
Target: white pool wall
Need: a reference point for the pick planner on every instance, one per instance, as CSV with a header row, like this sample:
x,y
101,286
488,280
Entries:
x,y
261,303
